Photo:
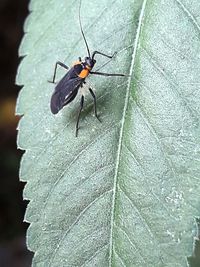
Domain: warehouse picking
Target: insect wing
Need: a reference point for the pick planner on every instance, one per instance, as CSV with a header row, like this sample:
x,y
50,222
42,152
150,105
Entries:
x,y
65,91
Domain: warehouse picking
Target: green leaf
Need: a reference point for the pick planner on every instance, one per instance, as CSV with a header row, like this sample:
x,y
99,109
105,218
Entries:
x,y
126,191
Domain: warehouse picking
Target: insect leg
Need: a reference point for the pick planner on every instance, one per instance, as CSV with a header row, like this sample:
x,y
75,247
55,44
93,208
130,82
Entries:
x,y
79,113
108,74
102,54
55,69
95,104
103,65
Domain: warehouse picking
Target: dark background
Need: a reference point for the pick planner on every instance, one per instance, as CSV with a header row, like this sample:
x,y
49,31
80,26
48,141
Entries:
x,y
13,252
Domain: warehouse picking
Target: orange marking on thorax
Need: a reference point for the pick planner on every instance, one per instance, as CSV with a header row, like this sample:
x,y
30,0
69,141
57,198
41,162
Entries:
x,y
84,73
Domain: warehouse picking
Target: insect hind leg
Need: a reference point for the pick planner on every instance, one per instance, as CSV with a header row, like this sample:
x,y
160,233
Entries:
x,y
79,113
55,69
95,104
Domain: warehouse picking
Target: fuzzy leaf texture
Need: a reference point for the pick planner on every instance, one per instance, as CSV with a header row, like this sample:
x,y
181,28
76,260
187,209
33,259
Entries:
x,y
126,191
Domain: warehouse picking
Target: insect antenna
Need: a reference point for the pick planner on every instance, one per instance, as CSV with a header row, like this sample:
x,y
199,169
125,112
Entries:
x,y
82,30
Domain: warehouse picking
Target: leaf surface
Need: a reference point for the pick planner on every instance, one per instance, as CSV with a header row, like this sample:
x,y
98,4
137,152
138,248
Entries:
x,y
126,191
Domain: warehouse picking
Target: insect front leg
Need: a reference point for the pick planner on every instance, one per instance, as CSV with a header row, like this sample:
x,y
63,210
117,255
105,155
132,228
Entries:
x,y
79,113
95,104
55,69
102,54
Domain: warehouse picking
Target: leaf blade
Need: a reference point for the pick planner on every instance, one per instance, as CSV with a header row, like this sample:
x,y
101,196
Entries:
x,y
148,194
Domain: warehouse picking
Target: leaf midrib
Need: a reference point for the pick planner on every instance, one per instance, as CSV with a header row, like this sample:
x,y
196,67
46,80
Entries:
x,y
122,127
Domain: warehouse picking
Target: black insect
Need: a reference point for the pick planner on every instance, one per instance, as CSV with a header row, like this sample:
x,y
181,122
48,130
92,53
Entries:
x,y
67,88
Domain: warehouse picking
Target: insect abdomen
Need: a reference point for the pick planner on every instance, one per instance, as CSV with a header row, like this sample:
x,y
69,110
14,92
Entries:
x,y
55,103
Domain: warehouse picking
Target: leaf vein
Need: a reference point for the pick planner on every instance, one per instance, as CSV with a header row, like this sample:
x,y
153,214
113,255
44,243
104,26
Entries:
x,y
74,223
130,241
144,221
72,162
99,250
189,15
155,135
122,126
147,185
119,257
170,81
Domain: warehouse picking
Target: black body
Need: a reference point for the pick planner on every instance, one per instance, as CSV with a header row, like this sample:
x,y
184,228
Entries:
x,y
66,90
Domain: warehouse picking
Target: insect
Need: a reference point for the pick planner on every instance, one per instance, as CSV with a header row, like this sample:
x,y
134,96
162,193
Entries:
x,y
68,87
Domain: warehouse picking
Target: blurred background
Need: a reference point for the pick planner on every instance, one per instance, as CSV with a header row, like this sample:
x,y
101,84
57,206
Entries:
x,y
13,252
